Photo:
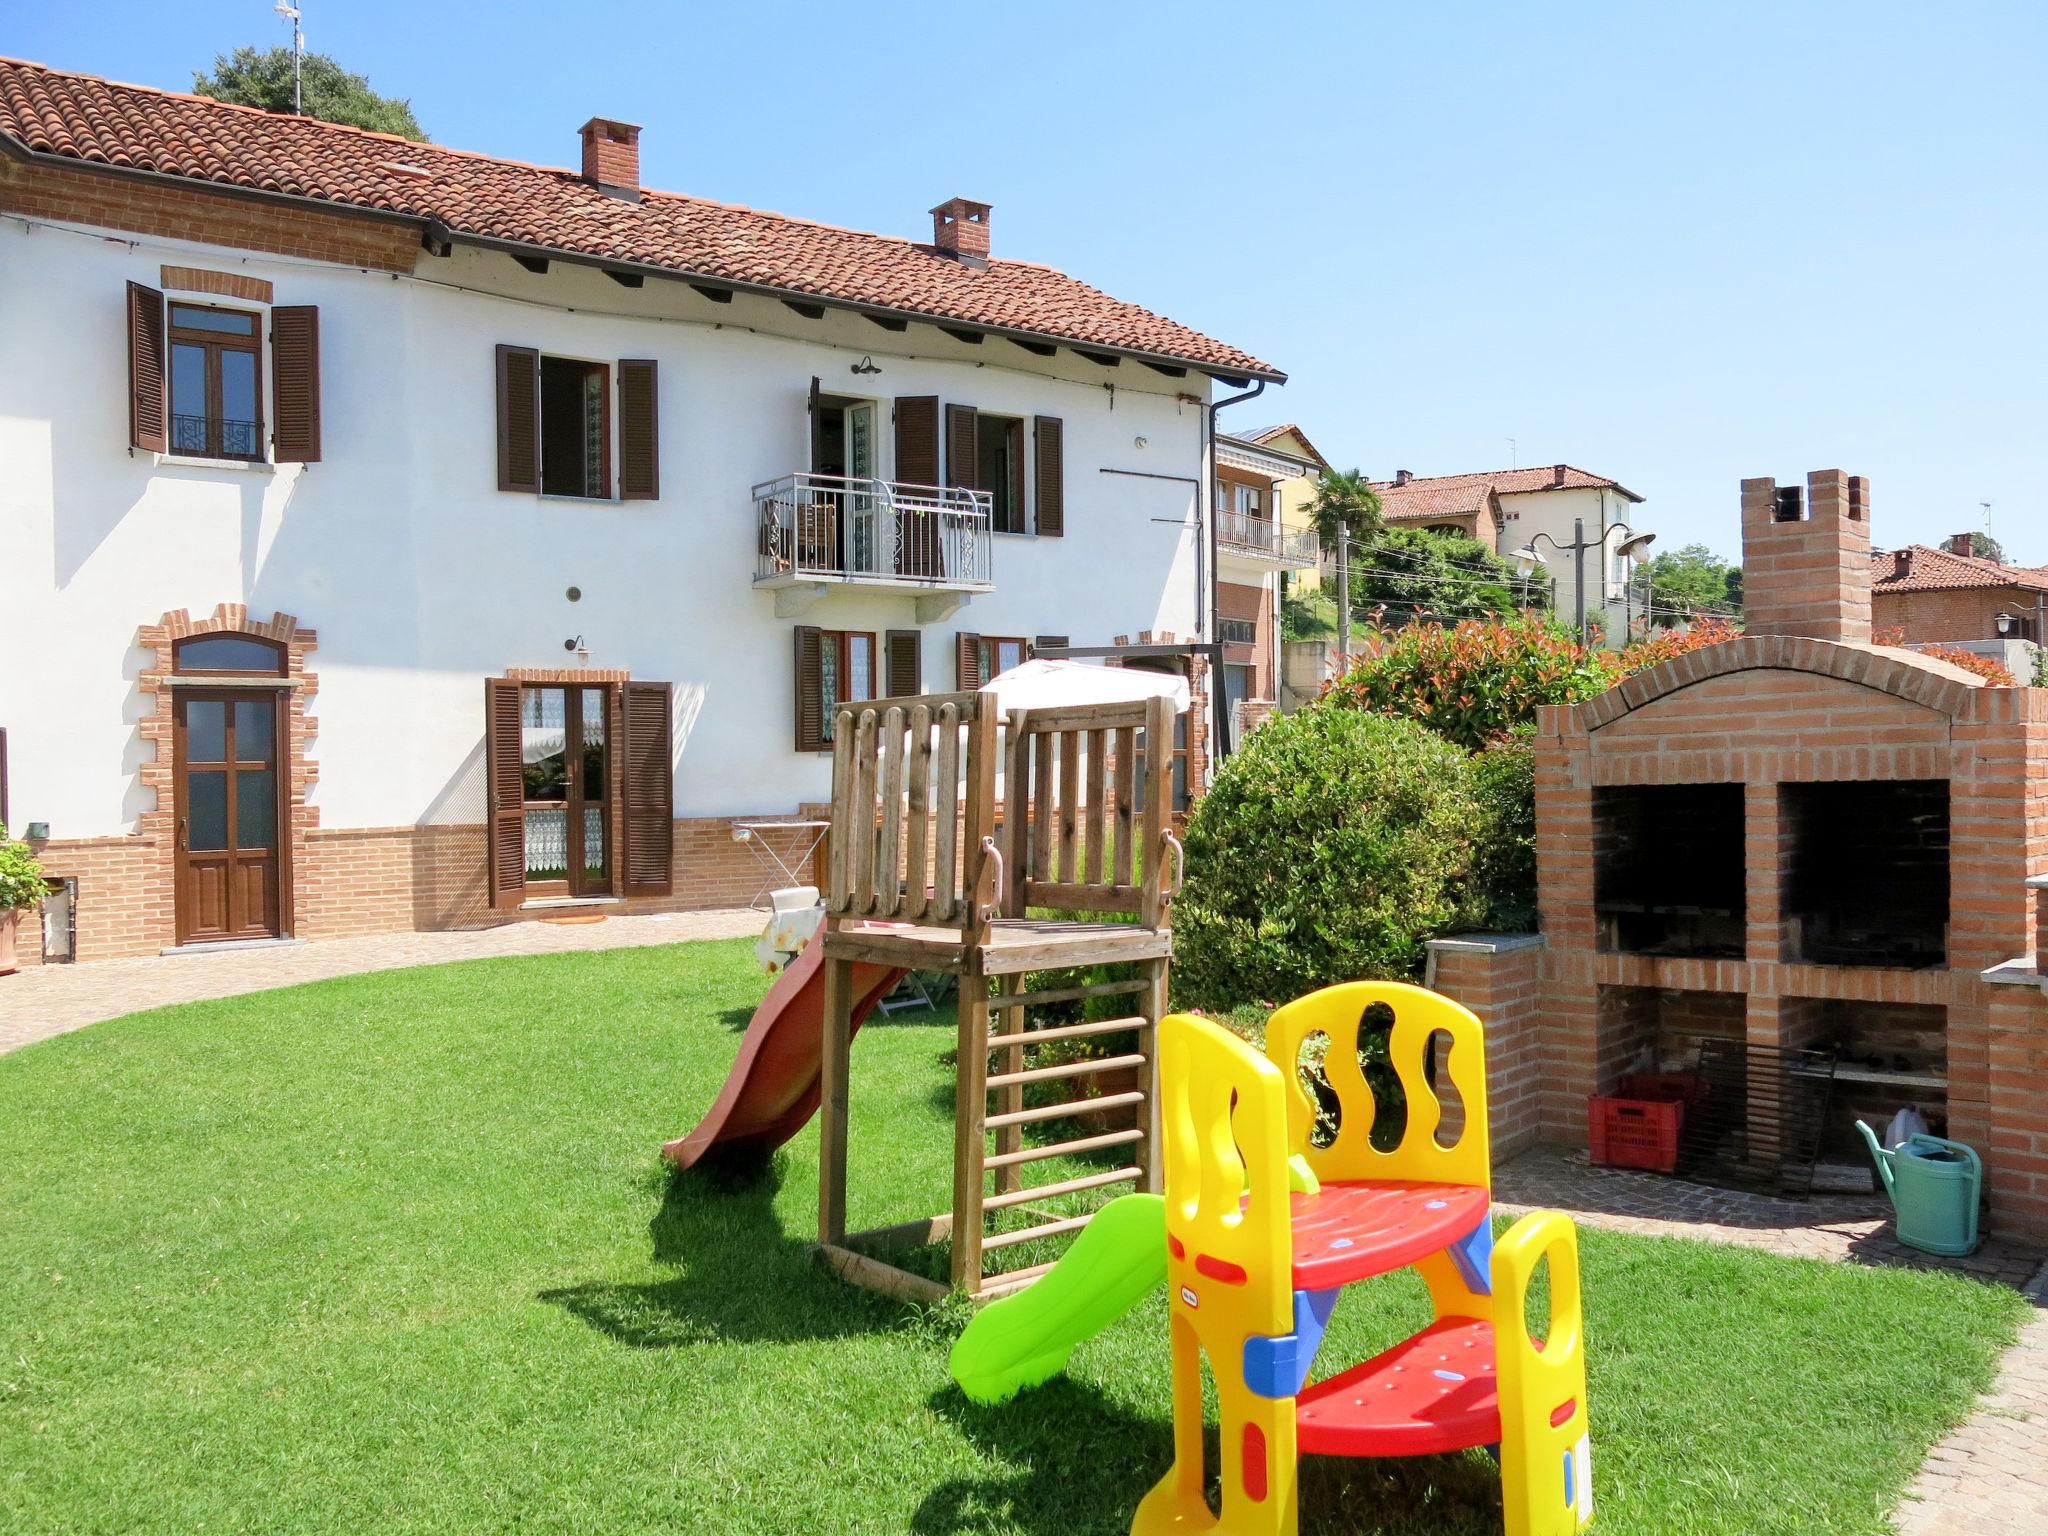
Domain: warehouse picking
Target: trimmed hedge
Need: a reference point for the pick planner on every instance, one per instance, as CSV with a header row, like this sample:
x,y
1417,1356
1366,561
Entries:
x,y
1330,848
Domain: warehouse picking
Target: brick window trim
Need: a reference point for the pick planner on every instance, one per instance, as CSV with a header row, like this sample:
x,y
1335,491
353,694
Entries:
x,y
234,285
161,681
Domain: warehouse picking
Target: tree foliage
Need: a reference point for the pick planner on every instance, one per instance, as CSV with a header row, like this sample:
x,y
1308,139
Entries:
x,y
263,78
1688,582
1343,496
1411,573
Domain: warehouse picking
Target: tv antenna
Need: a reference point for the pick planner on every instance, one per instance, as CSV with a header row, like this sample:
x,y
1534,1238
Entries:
x,y
290,12
1514,454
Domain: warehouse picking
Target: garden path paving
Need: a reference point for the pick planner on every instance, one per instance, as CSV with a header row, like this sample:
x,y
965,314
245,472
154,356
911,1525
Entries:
x,y
1988,1478
47,1000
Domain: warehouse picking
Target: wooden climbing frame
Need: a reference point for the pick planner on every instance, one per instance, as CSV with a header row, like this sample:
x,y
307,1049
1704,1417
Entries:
x,y
930,869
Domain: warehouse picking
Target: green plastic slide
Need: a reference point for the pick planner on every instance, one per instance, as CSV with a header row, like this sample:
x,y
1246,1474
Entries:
x,y
1024,1340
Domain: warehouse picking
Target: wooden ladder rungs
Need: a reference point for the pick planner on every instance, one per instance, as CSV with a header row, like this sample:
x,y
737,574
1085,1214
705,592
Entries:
x,y
1064,1187
1026,1234
1067,1069
1061,1148
1061,1111
1010,1281
1064,994
1065,1032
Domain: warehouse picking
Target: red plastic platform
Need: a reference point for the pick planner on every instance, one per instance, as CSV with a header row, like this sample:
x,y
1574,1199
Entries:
x,y
1435,1392
1354,1231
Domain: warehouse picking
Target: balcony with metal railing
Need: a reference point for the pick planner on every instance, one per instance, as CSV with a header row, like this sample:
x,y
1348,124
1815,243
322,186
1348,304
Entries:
x,y
814,531
216,437
1266,541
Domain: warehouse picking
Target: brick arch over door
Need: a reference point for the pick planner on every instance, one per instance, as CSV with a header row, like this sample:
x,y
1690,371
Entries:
x,y
298,815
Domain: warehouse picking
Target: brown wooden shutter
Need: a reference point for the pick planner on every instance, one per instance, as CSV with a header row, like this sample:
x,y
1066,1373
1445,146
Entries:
x,y
817,428
518,419
650,789
917,439
967,662
810,686
505,799
1042,642
639,430
148,412
295,364
960,445
905,663
1049,495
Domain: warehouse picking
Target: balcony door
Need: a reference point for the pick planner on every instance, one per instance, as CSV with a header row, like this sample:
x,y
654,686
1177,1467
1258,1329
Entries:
x,y
565,763
225,750
841,530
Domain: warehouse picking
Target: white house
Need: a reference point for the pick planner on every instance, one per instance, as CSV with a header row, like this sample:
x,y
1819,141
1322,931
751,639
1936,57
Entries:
x,y
1549,507
399,537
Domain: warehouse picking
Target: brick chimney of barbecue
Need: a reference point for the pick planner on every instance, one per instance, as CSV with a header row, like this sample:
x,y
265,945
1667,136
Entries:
x,y
1806,558
960,228
611,155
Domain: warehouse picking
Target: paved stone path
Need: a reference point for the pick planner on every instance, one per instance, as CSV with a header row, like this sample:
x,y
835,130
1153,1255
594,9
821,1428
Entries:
x,y
1988,1478
53,999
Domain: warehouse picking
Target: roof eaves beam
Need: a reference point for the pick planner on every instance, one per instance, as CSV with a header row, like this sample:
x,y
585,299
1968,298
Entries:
x,y
887,322
1035,348
808,310
715,295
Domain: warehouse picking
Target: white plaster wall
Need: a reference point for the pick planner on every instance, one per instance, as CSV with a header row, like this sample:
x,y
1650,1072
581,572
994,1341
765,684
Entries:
x,y
1552,513
422,579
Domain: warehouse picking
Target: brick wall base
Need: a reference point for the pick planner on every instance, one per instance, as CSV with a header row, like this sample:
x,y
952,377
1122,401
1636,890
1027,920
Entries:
x,y
352,881
1499,977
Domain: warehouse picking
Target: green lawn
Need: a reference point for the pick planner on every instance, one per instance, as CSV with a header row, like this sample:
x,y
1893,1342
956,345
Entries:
x,y
395,1253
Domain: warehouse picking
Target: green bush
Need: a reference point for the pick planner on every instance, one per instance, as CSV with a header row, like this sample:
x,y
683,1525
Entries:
x,y
21,877
1506,777
1474,681
1329,849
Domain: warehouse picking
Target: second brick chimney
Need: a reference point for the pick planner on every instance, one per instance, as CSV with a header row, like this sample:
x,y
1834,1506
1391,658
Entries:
x,y
1806,560
611,155
1962,544
960,228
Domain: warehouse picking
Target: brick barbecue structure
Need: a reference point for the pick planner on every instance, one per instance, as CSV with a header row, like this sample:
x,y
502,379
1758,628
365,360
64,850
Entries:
x,y
1793,839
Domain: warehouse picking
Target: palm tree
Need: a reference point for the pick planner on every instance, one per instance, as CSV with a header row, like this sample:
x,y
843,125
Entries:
x,y
1345,506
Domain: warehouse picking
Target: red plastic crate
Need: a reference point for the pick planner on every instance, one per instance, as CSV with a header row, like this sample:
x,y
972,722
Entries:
x,y
1635,1133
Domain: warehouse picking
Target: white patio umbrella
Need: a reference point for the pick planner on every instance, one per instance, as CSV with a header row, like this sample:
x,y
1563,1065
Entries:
x,y
1045,684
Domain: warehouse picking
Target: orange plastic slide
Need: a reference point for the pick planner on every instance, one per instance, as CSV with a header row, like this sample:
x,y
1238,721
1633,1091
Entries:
x,y
774,1085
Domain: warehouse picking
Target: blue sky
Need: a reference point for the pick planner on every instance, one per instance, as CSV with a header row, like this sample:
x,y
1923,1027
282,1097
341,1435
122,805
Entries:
x,y
1676,244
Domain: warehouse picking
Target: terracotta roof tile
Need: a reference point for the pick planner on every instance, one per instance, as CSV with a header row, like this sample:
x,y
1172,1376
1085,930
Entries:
x,y
1936,570
86,118
1428,496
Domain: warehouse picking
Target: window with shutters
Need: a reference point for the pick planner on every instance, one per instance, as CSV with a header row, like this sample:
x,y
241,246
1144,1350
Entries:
x,y
999,653
559,430
216,382
834,667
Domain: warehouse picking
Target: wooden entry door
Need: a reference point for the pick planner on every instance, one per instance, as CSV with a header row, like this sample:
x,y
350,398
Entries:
x,y
229,866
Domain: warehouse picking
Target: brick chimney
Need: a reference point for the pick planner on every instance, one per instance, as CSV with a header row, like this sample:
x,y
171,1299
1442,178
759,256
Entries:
x,y
1403,476
960,228
611,155
1557,476
1806,560
1962,544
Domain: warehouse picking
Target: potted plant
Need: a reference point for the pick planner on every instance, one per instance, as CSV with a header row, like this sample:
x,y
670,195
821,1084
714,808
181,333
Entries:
x,y
21,890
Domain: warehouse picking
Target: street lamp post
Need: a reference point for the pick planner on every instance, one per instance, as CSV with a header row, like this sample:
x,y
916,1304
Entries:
x,y
1529,557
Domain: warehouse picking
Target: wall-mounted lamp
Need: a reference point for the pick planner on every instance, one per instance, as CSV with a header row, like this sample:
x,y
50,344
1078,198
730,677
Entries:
x,y
2006,623
575,643
39,831
865,365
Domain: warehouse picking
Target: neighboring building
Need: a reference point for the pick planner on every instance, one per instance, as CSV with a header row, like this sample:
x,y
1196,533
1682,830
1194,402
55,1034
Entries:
x,y
1294,494
1253,543
1925,596
597,499
1508,509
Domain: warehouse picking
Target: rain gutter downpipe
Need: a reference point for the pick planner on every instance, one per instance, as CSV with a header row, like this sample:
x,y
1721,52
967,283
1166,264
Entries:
x,y
1209,604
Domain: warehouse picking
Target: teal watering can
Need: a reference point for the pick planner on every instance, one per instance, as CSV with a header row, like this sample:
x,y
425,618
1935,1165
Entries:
x,y
1934,1187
